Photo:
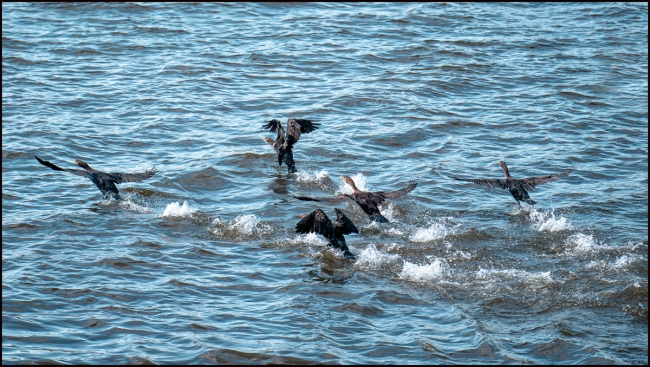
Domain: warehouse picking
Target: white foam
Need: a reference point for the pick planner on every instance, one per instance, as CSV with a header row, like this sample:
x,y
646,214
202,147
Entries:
x,y
359,181
371,258
131,206
516,274
546,221
242,225
582,243
310,239
305,176
177,210
624,261
394,231
424,273
216,224
393,246
437,230
621,264
246,224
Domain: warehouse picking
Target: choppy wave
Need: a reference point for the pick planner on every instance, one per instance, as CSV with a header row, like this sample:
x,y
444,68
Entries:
x,y
622,263
395,99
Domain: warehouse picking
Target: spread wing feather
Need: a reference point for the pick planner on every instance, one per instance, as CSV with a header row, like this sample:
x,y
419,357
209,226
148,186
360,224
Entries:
x,y
399,193
297,126
119,178
78,172
273,125
332,199
343,224
490,182
317,222
530,182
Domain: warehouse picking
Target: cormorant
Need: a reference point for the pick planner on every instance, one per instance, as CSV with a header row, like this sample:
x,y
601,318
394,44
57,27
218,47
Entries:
x,y
368,201
283,145
318,222
105,182
516,186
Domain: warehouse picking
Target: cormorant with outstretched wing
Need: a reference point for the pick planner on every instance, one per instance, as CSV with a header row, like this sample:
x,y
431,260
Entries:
x,y
516,186
283,145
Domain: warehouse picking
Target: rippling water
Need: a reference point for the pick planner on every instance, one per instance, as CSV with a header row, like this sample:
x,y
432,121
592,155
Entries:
x,y
201,263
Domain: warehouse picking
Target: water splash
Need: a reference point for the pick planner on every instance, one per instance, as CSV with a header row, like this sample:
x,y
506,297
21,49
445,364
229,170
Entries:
x,y
546,221
424,273
310,239
245,223
243,226
493,276
373,259
305,176
177,210
437,230
394,232
581,243
129,205
621,264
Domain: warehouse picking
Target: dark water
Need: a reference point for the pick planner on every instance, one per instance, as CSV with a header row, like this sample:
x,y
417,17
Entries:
x,y
200,264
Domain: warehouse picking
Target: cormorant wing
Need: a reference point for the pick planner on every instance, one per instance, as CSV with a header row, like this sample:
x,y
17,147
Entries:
x,y
78,172
317,222
331,199
343,224
118,178
297,126
490,182
399,193
530,182
275,125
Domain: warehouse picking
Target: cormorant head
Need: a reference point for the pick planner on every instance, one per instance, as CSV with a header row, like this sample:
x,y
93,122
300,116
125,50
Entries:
x,y
349,181
504,168
82,164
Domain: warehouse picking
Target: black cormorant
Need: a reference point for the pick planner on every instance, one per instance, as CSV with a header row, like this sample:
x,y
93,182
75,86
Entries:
x,y
283,145
368,201
516,186
318,222
105,182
